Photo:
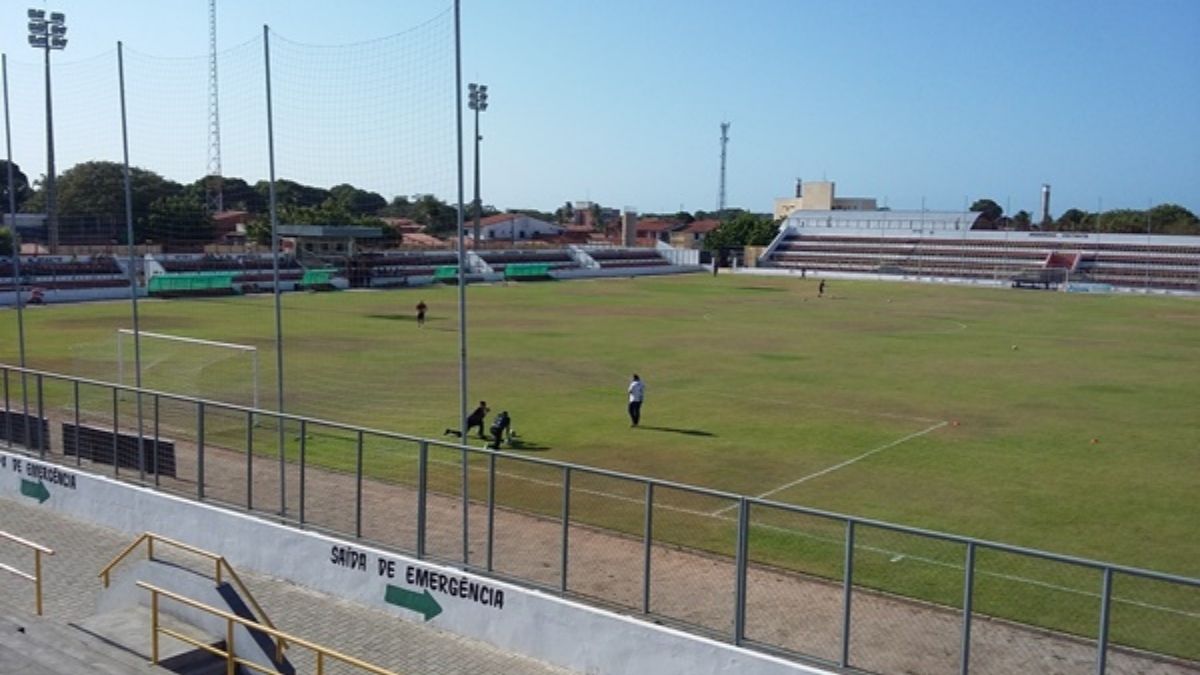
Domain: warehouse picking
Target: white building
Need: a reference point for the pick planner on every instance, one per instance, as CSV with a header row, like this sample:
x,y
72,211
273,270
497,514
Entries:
x,y
516,226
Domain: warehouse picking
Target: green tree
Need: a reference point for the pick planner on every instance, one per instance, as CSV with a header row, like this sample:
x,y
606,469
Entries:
x,y
437,217
356,201
6,241
21,188
1023,221
400,207
744,229
989,213
179,221
291,193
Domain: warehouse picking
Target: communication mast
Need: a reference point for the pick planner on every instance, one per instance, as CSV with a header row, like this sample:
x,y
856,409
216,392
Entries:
x,y
214,196
721,191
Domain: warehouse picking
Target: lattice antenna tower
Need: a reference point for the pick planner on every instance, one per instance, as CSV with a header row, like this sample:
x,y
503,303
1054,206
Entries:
x,y
214,189
721,190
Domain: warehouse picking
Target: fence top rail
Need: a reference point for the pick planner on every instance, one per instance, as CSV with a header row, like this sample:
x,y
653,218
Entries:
x,y
26,543
270,630
1009,548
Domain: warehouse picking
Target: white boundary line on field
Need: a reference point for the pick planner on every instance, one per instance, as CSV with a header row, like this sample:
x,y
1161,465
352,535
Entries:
x,y
840,465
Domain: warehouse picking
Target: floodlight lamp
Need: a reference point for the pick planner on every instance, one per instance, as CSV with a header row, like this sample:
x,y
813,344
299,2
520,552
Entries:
x,y
483,90
36,14
472,87
37,27
58,17
57,42
57,29
37,41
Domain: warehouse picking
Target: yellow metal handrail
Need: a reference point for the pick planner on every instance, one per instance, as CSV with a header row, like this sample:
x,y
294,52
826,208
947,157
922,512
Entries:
x,y
36,577
219,563
231,658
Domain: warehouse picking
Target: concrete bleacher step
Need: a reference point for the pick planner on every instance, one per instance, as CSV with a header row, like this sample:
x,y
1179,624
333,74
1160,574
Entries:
x,y
128,631
34,646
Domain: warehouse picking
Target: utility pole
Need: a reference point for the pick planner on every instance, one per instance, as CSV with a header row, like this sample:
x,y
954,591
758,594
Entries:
x,y
214,186
721,191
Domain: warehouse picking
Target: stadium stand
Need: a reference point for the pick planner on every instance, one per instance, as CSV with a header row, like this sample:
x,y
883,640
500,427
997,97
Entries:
x,y
1042,259
616,258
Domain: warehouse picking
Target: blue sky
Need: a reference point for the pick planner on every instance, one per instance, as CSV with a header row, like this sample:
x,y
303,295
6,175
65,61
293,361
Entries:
x,y
620,101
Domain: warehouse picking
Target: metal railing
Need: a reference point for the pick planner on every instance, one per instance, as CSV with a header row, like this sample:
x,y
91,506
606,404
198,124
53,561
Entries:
x,y
751,562
219,563
232,660
36,577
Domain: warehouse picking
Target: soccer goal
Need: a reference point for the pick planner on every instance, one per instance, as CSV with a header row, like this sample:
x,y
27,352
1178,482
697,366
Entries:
x,y
220,371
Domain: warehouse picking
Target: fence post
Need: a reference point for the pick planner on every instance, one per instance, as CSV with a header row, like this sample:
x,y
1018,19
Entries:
x,y
491,517
422,488
78,455
157,436
358,488
968,601
647,538
250,461
116,447
42,443
1102,641
303,452
743,550
200,451
566,528
37,578
847,588
7,413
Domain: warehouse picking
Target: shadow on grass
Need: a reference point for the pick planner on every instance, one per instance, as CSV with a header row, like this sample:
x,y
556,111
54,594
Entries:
x,y
524,445
409,318
685,432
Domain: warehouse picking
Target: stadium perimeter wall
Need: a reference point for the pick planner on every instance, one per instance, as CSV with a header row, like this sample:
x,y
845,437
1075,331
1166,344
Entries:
x,y
512,618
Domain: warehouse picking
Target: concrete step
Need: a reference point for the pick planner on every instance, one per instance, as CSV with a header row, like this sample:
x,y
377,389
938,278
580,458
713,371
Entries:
x,y
128,630
34,646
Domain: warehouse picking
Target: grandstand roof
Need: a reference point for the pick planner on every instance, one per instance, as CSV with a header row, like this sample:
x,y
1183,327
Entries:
x,y
884,220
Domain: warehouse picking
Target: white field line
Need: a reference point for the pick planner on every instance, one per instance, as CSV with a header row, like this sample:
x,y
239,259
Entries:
x,y
841,465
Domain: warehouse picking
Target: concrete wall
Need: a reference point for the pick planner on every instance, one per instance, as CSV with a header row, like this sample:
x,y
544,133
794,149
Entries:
x,y
533,623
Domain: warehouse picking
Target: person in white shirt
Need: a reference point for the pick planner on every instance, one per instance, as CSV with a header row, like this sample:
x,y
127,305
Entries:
x,y
637,392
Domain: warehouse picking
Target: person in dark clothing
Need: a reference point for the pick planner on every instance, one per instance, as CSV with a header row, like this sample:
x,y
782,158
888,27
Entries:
x,y
637,391
500,427
475,420
421,307
821,289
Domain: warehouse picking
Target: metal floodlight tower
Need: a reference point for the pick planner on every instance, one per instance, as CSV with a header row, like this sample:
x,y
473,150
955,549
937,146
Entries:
x,y
721,190
477,101
49,33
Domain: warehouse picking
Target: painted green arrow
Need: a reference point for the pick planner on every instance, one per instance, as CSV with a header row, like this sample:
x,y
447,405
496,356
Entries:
x,y
417,602
36,490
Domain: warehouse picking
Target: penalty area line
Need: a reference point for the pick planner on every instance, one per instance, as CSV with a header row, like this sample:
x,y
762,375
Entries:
x,y
842,465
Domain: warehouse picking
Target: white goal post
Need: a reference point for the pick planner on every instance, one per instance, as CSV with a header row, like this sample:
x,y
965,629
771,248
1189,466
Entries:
x,y
251,350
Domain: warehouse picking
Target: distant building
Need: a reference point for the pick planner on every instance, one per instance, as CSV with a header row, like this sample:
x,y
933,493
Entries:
x,y
819,196
693,234
650,230
516,226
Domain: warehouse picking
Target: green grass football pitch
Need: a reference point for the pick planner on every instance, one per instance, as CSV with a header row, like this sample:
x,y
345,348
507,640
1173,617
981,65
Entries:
x,y
1055,421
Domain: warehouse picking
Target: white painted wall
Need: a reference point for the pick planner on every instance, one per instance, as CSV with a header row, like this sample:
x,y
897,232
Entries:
x,y
529,622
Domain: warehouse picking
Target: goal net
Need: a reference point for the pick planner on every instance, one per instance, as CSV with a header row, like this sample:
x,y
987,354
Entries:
x,y
208,369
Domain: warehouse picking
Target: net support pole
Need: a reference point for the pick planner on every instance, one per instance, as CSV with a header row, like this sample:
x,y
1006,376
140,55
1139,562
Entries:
x,y
16,245
137,347
275,270
462,291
